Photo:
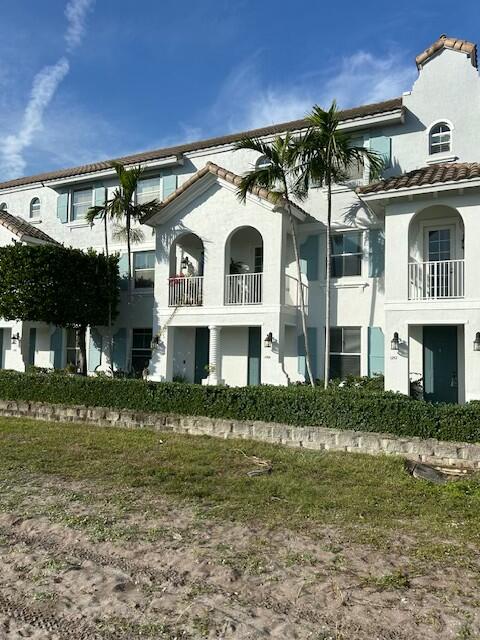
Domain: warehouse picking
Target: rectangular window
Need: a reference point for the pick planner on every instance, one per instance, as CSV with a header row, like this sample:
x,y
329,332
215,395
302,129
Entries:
x,y
347,252
73,351
258,260
149,189
144,269
345,351
141,349
82,200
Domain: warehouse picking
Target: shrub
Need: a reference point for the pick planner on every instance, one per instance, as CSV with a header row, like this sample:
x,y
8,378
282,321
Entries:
x,y
340,408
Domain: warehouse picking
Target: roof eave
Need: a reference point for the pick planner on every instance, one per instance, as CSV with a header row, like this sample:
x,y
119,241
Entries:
x,y
387,194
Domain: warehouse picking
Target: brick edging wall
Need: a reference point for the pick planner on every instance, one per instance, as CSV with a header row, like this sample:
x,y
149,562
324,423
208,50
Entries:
x,y
455,454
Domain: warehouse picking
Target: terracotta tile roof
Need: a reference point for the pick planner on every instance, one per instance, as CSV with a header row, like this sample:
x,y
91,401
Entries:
x,y
21,227
347,114
230,177
437,173
445,42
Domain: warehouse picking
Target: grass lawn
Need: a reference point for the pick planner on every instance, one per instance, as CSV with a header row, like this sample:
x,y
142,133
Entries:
x,y
106,484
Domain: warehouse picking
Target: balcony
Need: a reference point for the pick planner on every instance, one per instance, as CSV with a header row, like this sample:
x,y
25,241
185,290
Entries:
x,y
185,291
437,280
243,288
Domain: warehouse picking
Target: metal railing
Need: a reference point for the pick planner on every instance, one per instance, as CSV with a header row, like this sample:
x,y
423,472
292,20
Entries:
x,y
292,292
244,288
436,280
185,291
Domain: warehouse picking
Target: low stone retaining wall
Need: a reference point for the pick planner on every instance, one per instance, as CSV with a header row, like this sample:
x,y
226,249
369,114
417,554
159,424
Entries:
x,y
446,454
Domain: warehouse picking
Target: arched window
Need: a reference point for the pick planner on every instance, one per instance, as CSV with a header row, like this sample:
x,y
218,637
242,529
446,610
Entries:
x,y
440,138
262,163
3,206
35,208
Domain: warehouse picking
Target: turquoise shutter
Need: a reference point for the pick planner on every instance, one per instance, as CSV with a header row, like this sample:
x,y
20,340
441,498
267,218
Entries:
x,y
312,344
309,254
169,185
94,350
376,253
62,207
2,331
99,196
119,355
254,355
383,146
32,344
56,345
376,351
123,271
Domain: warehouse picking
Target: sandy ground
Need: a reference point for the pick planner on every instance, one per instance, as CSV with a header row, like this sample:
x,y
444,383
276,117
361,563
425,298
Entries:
x,y
80,563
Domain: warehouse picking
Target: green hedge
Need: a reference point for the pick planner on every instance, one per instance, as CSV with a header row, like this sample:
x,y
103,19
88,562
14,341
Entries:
x,y
297,405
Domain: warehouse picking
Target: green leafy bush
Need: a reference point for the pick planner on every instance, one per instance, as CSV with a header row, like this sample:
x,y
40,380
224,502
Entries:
x,y
340,408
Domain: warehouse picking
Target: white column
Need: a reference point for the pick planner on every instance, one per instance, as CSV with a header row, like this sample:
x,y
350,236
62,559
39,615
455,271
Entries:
x,y
213,359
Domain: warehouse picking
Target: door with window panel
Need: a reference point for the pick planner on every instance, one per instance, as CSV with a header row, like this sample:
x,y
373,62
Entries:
x,y
73,350
439,248
346,254
141,349
345,352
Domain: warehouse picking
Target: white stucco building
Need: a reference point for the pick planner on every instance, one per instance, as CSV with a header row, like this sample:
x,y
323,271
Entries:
x,y
215,278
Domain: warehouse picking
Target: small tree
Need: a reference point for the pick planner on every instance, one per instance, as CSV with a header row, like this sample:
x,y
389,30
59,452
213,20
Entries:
x,y
327,157
279,174
59,286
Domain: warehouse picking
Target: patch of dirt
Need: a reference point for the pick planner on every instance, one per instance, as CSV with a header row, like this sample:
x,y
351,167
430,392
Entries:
x,y
79,562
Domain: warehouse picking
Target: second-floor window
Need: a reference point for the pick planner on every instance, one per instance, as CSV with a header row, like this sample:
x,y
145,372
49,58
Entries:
x,y
440,138
144,269
347,253
35,208
82,200
149,189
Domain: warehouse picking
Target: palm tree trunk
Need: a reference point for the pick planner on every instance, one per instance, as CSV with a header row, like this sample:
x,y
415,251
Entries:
x,y
300,285
82,345
129,281
109,285
327,286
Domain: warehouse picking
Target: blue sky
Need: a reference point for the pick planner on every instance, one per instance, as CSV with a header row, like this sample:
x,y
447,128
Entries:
x,y
84,80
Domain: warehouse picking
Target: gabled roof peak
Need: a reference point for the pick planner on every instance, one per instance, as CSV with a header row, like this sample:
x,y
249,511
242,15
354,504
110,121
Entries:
x,y
447,42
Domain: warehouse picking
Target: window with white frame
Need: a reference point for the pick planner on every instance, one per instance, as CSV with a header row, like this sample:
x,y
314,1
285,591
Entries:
x,y
345,352
144,269
141,349
82,201
149,189
73,350
3,206
35,208
346,254
440,138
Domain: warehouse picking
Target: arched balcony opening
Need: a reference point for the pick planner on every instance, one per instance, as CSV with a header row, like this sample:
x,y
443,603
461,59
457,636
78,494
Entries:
x,y
185,283
244,267
436,254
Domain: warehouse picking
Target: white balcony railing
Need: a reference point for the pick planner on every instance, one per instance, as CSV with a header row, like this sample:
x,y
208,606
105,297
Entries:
x,y
244,288
292,292
436,280
185,291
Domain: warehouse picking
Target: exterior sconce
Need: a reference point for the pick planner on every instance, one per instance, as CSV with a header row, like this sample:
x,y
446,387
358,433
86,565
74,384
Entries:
x,y
476,342
15,338
268,340
395,343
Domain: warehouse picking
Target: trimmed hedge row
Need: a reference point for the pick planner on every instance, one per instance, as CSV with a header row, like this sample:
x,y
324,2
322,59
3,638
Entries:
x,y
299,406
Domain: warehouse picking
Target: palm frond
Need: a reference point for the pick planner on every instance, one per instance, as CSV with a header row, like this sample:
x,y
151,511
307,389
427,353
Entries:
x,y
120,233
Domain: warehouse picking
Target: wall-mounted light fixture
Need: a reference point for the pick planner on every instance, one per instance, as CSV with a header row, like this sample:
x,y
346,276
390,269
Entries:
x,y
395,343
268,340
15,338
476,342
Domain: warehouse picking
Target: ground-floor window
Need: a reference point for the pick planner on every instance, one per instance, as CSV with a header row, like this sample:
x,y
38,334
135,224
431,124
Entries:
x,y
141,349
73,351
345,351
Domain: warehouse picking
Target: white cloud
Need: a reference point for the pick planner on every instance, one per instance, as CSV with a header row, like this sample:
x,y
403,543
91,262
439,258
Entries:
x,y
76,13
44,86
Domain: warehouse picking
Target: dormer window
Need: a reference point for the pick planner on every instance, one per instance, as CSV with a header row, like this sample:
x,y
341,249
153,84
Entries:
x,y
35,208
440,138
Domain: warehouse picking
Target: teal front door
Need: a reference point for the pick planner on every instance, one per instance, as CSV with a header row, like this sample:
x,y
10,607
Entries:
x,y
440,364
202,342
254,354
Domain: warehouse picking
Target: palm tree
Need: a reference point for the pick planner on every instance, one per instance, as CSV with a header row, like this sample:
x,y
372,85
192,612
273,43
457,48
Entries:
x,y
122,206
328,156
279,174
